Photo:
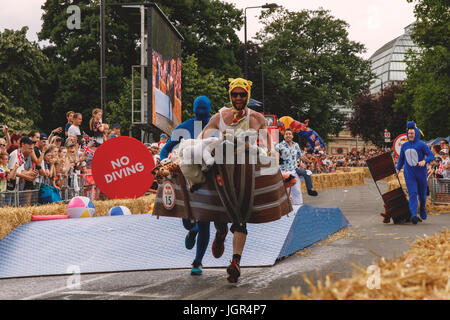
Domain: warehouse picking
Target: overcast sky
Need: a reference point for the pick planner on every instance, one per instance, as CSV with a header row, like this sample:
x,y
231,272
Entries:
x,y
372,22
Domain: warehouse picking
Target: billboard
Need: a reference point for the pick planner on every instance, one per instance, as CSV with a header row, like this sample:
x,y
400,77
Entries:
x,y
166,73
166,79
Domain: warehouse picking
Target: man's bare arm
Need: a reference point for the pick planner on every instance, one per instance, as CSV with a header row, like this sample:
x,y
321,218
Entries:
x,y
211,127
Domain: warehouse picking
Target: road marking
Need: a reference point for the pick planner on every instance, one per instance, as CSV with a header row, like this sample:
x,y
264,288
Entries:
x,y
36,296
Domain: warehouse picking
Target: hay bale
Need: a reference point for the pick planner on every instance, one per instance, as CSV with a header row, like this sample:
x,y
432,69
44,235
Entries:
x,y
338,179
422,273
136,206
11,217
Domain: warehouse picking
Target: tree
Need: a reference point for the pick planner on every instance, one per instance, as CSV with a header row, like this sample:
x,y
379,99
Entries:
x,y
120,110
208,28
374,112
310,67
75,55
195,84
21,71
255,57
16,118
426,97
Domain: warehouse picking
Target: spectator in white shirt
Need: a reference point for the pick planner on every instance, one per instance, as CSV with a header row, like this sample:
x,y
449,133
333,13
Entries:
x,y
74,130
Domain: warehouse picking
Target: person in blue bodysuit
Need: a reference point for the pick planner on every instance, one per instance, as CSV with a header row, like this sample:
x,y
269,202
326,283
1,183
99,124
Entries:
x,y
188,130
417,156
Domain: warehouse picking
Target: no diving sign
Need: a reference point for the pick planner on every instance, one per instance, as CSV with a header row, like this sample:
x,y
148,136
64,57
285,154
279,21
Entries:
x,y
122,167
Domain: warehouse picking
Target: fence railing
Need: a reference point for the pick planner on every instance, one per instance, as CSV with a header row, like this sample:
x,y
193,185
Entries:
x,y
439,190
69,187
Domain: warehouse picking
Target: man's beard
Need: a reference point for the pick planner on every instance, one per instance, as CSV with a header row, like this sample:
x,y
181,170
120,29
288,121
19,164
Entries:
x,y
242,106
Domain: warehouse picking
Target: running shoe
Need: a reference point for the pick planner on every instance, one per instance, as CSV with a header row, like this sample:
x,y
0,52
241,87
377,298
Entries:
x,y
423,216
218,245
233,271
189,242
196,268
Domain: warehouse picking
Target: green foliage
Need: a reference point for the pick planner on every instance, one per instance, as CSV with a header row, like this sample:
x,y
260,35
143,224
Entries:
x,y
16,118
432,26
195,84
374,113
74,83
21,71
311,66
74,55
120,110
426,96
209,29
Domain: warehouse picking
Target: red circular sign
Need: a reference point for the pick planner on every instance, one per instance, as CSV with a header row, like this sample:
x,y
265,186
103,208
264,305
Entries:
x,y
122,167
397,146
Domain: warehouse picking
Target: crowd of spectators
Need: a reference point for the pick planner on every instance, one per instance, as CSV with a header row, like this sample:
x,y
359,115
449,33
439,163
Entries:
x,y
31,160
440,167
318,161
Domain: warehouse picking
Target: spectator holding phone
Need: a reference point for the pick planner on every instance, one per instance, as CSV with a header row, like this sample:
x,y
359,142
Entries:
x,y
7,180
26,173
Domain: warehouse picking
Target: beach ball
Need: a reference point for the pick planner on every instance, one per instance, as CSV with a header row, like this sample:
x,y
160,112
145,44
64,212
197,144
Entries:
x,y
80,207
119,211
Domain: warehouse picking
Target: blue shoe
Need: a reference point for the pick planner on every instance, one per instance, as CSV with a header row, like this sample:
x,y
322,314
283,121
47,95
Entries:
x,y
196,268
415,219
189,242
423,216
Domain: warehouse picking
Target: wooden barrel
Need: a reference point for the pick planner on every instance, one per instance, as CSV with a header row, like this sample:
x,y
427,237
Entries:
x,y
263,196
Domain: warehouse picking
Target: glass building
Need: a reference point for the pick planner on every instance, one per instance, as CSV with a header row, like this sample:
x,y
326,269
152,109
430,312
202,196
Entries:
x,y
388,62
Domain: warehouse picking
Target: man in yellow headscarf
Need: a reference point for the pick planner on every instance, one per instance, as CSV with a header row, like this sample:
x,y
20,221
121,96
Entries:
x,y
238,117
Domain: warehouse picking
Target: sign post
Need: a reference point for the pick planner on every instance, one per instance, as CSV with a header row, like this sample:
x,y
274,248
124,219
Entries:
x,y
122,167
387,136
401,139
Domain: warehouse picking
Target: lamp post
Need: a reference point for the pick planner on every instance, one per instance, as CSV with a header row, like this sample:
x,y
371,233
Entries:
x,y
262,83
265,6
102,58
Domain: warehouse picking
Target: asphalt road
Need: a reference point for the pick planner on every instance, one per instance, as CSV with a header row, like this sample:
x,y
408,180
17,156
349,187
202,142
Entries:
x,y
367,238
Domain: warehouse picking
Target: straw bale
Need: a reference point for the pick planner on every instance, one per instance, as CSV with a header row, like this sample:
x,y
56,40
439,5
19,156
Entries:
x,y
11,217
355,169
338,179
423,272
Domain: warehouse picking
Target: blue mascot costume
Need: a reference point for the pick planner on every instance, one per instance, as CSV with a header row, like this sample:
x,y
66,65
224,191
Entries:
x,y
202,111
417,156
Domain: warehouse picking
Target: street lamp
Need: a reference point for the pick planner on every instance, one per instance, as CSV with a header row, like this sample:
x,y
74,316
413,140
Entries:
x,y
102,59
265,6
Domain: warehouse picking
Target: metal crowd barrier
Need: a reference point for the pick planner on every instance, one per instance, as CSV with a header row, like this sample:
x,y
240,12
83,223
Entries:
x,y
73,185
439,190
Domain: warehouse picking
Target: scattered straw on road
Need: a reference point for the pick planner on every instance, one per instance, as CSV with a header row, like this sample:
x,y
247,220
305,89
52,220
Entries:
x,y
422,273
